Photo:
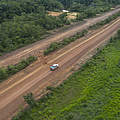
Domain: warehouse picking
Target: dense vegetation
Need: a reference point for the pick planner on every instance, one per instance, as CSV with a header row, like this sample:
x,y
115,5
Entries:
x,y
11,8
26,29
79,3
26,21
92,93
6,72
88,8
23,22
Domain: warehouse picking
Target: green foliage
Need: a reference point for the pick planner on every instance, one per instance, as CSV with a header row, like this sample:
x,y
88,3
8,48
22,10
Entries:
x,y
94,3
57,45
106,21
88,8
11,8
29,99
26,21
91,12
12,69
26,29
92,93
3,74
50,88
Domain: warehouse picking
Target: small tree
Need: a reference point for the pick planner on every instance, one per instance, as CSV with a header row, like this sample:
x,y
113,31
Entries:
x,y
29,99
3,74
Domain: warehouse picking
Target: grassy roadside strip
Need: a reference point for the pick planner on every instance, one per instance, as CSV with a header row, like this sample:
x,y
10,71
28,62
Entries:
x,y
104,22
91,93
6,72
58,45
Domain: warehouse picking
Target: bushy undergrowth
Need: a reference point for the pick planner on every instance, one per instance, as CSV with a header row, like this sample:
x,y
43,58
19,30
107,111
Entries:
x,y
6,72
92,11
92,93
106,21
57,45
27,29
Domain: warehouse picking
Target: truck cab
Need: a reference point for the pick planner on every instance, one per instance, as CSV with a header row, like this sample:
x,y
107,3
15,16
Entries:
x,y
54,67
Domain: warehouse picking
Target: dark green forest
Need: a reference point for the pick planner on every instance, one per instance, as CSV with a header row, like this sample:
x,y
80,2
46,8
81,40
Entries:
x,y
23,22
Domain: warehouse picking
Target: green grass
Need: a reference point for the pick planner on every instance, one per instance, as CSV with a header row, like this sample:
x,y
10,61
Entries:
x,y
91,93
104,22
10,70
58,45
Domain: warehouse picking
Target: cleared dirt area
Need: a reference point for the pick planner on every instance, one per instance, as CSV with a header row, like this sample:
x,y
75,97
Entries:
x,y
72,15
54,13
38,47
37,77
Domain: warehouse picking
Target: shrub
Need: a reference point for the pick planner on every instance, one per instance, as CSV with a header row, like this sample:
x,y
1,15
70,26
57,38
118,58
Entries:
x,y
29,99
50,88
12,69
57,45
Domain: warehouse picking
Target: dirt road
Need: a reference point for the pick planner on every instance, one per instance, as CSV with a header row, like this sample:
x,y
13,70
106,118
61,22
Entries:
x,y
38,47
37,78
